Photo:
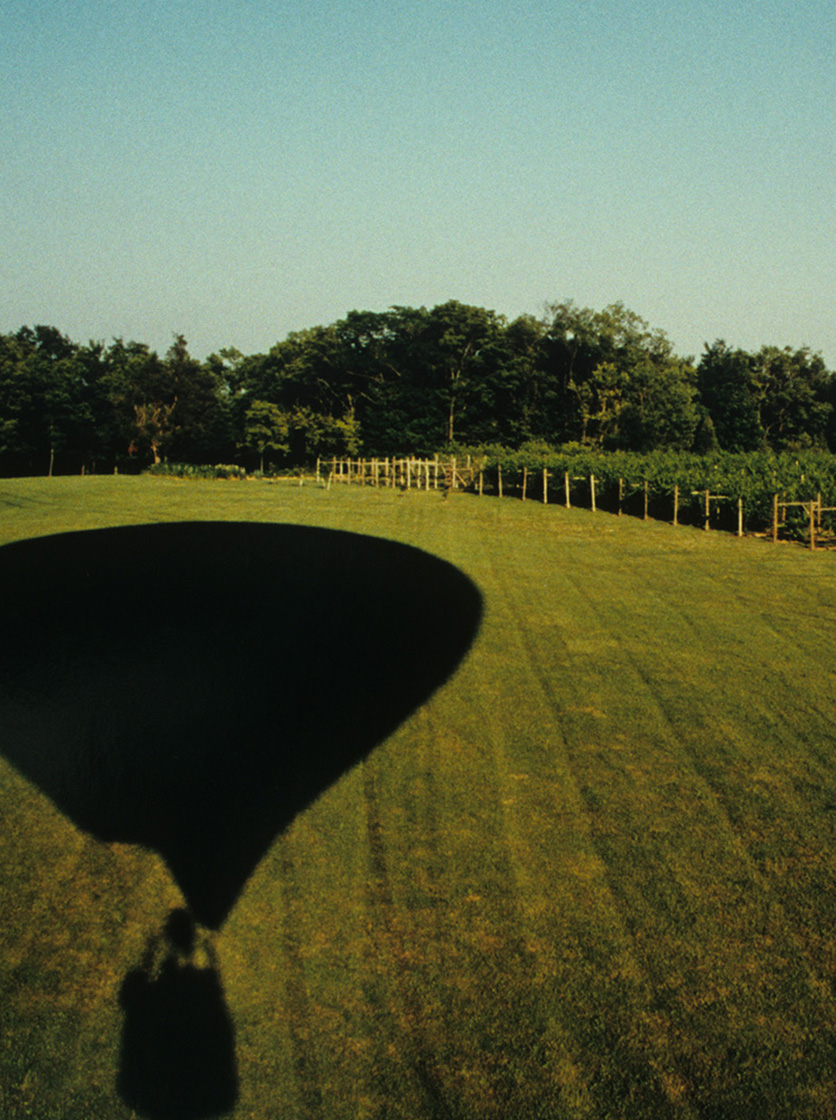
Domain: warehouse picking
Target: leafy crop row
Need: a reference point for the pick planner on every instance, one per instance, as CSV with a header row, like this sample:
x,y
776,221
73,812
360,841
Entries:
x,y
754,477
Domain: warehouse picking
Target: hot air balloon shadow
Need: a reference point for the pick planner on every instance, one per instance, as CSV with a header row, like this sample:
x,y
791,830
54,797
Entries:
x,y
190,687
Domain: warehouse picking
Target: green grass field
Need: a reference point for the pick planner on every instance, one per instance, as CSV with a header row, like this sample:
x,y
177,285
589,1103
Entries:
x,y
594,876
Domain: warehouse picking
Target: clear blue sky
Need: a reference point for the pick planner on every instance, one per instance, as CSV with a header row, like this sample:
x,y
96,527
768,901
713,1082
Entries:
x,y
237,169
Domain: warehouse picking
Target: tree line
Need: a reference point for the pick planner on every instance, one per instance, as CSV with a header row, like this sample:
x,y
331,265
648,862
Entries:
x,y
404,380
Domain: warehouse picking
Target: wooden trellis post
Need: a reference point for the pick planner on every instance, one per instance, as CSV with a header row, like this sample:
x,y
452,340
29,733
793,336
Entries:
x,y
676,503
566,489
524,483
499,479
707,496
592,491
545,486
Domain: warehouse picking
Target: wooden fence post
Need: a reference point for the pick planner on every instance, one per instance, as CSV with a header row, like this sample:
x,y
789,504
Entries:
x,y
499,478
740,517
707,525
566,489
545,486
646,498
481,473
676,503
524,482
620,494
812,526
774,518
592,490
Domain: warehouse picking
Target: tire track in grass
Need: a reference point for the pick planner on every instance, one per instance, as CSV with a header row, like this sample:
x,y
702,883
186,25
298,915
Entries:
x,y
75,920
462,932
748,966
781,812
758,777
636,1066
519,1045
554,1079
305,1061
493,1030
391,941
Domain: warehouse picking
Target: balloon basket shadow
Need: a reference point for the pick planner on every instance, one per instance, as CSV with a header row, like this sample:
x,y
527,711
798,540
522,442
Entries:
x,y
177,1059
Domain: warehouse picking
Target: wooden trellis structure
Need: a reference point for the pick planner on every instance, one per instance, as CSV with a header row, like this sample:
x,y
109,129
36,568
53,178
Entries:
x,y
813,510
449,473
404,473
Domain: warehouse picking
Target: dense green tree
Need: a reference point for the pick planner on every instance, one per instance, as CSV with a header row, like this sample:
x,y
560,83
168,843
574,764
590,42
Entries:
x,y
200,421
612,381
791,389
659,407
143,400
266,429
47,413
728,390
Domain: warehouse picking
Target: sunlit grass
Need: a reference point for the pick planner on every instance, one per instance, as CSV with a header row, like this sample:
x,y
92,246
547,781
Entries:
x,y
594,876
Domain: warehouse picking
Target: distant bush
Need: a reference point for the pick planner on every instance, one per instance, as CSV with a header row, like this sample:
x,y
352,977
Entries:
x,y
190,470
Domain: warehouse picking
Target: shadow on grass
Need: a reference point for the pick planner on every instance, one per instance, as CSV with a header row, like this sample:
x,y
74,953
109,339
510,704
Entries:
x,y
178,1051
192,686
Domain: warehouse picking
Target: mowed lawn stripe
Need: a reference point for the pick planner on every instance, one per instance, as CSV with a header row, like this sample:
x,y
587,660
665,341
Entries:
x,y
596,986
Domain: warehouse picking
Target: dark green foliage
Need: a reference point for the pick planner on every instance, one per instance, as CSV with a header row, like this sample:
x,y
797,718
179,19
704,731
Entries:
x,y
404,381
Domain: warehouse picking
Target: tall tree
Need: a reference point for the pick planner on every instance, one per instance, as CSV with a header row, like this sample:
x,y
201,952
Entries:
x,y
142,399
200,426
266,429
610,378
46,416
791,389
728,389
